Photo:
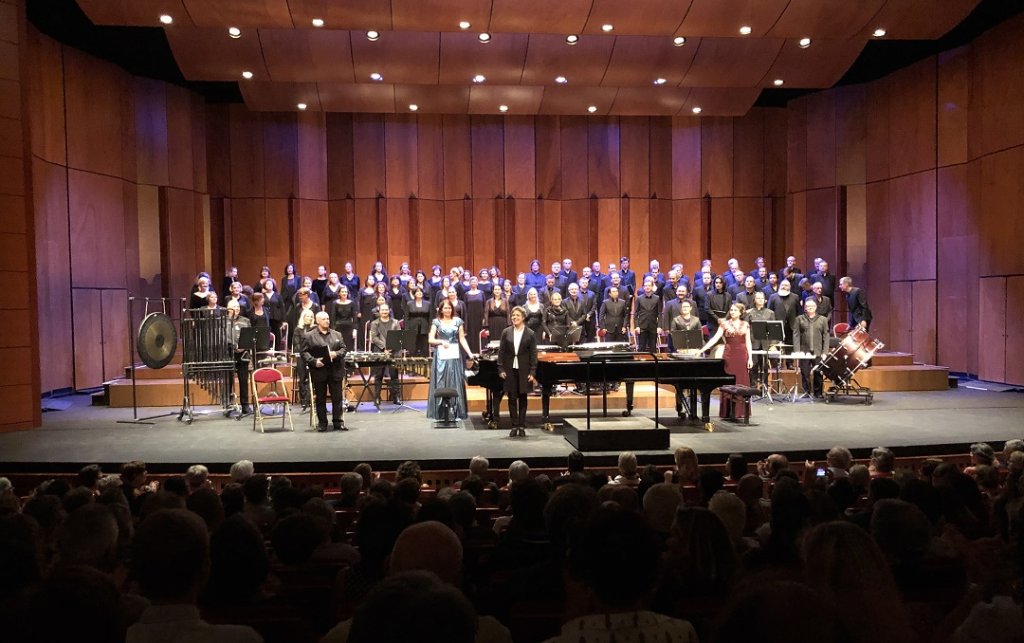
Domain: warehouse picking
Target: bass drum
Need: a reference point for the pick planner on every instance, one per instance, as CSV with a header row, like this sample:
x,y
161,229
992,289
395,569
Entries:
x,y
158,340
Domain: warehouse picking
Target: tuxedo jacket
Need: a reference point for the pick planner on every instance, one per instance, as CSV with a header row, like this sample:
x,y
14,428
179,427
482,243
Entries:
x,y
527,355
857,307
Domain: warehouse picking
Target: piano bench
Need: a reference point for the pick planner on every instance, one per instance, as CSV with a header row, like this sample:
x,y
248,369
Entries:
x,y
734,402
446,397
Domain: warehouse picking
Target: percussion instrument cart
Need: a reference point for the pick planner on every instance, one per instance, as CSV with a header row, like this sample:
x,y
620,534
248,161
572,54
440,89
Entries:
x,y
854,352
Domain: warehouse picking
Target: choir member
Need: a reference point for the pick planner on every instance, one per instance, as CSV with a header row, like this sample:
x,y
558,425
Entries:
x,y
417,318
700,297
810,335
507,289
303,304
589,310
440,293
719,301
320,283
730,274
307,282
761,277
235,294
396,298
598,281
737,356
759,312
673,308
381,301
628,277
556,321
241,357
772,286
567,274
828,282
264,275
379,329
435,279
859,314
324,353
646,314
200,297
419,280
474,313
306,323
448,334
824,302
290,285
517,366
378,272
484,283
685,320
230,277
746,295
345,317
404,274
549,289
211,302
496,314
330,291
274,304
656,274
259,316
534,312
458,307
519,291
612,316
786,307
790,272
350,279
705,266
367,302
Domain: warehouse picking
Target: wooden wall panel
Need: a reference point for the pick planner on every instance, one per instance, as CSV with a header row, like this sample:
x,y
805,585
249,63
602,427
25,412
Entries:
x,y
180,161
520,155
458,157
46,91
603,157
878,257
687,234
246,152
549,158
341,221
851,134
340,157
248,239
1015,330
992,328
635,156
401,156
277,238
672,142
487,137
953,230
573,147
923,300
523,213
455,230
365,234
796,145
280,155
796,229
578,223
912,118
820,147
901,317
912,213
151,131
114,333
821,227
430,156
687,157
877,156
722,242
999,219
487,215
53,275
311,167
660,239
311,222
218,145
94,95
607,247
96,209
88,351
996,92
368,145
199,160
748,216
749,155
428,236
953,99
637,228
775,150
549,233
395,242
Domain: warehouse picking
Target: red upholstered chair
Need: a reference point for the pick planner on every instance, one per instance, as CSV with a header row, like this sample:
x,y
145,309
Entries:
x,y
269,388
840,329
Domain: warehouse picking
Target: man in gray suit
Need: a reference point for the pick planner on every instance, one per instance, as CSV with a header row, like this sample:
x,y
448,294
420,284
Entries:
x,y
810,335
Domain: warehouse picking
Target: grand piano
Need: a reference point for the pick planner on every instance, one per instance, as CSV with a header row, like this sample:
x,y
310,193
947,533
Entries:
x,y
601,367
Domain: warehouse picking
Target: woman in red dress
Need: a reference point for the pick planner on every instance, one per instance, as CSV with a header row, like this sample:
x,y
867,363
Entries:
x,y
737,356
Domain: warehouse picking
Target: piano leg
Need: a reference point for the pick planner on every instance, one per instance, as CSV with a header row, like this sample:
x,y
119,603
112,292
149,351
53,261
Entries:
x,y
545,403
629,400
494,407
705,409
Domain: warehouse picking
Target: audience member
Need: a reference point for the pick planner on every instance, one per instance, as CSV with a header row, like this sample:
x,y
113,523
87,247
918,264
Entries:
x,y
686,470
242,471
408,469
197,476
88,476
73,603
238,564
736,467
627,470
430,610
365,471
205,503
882,462
351,486
839,460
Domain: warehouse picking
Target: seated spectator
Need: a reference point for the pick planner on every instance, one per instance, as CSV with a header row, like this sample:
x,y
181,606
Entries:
x,y
176,485
380,523
878,489
882,462
407,492
88,476
72,604
925,497
736,467
843,494
328,552
839,460
133,481
927,468
627,470
48,513
982,454
860,476
409,469
522,537
159,501
751,491
778,612
709,483
257,503
427,606
733,514
789,514
1010,447
170,560
479,466
437,510
649,476
518,471
613,566
205,503
366,472
242,471
772,466
700,560
351,486
686,470
295,538
197,476
88,538
987,477
463,509
575,462
238,564
77,498
232,497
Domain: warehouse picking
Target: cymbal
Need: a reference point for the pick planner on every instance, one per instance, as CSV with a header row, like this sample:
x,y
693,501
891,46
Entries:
x,y
158,340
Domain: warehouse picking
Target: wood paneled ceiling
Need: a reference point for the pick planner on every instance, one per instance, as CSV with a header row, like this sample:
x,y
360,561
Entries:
x,y
424,57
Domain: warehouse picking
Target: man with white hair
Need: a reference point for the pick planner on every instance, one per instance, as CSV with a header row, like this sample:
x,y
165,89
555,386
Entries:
x,y
238,322
197,477
324,354
518,471
786,307
242,471
856,304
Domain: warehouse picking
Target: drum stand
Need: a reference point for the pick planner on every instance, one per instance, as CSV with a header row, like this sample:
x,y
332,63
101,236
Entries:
x,y
131,356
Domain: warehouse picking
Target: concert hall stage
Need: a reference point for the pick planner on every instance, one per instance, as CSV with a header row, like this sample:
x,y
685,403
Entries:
x,y
910,422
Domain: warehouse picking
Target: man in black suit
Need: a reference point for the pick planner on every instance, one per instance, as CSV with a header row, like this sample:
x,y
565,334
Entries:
x,y
517,365
646,316
827,279
598,281
567,275
229,278
550,288
824,303
786,307
790,272
746,294
576,304
810,335
324,353
627,275
612,317
856,304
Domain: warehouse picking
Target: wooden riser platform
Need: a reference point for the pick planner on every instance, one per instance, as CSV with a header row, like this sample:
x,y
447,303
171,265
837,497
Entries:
x,y
888,372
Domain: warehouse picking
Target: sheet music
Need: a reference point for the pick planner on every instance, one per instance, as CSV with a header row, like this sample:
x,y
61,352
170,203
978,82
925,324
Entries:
x,y
448,351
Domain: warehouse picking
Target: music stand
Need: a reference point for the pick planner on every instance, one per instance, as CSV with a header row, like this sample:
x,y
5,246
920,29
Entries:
x,y
401,342
687,339
769,333
255,339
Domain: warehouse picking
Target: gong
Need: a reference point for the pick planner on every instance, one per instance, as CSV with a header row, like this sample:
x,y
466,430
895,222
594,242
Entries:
x,y
157,340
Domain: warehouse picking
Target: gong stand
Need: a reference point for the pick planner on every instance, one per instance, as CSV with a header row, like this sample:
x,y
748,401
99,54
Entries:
x,y
154,354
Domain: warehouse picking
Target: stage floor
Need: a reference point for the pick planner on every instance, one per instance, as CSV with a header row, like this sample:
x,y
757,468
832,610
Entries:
x,y
946,420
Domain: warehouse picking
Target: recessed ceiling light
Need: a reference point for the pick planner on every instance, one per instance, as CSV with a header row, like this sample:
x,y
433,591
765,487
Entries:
x,y
318,22
372,35
592,109
464,24
696,110
660,81
301,106
804,43
376,76
479,78
878,33
607,28
679,41
778,82
572,39
561,80
413,107
234,32
484,37
166,19
247,74
745,30
502,108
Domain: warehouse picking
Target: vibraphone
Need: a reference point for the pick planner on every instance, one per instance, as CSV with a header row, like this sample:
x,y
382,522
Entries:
x,y
208,358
